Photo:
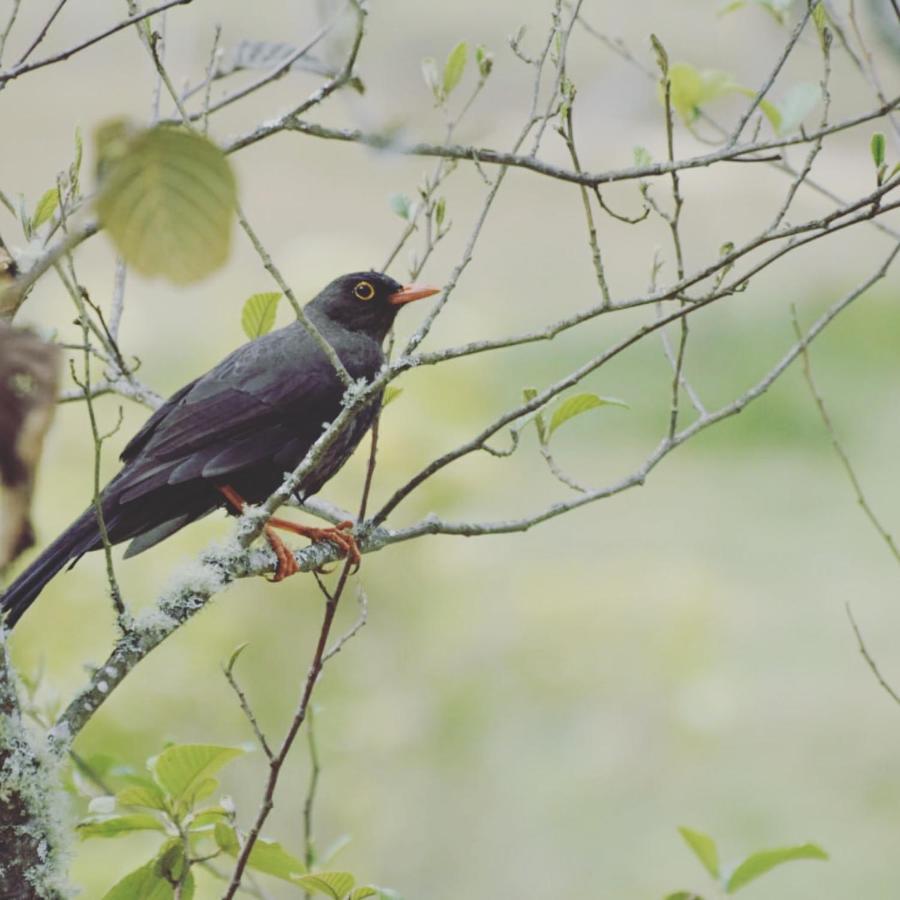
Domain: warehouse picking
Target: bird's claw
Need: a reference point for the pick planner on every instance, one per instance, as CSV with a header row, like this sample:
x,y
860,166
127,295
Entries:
x,y
287,565
345,542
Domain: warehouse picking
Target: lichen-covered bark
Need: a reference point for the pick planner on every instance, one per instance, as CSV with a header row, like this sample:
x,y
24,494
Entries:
x,y
32,804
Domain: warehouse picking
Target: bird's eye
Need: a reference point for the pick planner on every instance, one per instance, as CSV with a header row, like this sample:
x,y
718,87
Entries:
x,y
364,291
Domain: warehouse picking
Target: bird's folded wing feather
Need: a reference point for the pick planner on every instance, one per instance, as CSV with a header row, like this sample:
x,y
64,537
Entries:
x,y
242,413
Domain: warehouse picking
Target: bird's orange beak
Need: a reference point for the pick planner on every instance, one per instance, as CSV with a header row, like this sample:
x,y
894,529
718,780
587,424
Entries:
x,y
412,292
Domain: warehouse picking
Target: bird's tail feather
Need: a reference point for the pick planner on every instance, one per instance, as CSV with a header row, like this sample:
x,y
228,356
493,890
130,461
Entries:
x,y
82,535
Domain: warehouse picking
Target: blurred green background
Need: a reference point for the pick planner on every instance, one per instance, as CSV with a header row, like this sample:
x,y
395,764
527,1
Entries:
x,y
530,715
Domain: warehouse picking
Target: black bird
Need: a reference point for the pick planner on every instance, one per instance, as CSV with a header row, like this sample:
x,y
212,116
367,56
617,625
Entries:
x,y
229,436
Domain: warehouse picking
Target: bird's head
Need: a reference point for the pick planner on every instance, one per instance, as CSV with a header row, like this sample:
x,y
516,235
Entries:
x,y
367,301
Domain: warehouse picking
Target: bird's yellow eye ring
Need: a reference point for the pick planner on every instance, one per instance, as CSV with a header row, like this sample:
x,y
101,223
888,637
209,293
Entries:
x,y
364,291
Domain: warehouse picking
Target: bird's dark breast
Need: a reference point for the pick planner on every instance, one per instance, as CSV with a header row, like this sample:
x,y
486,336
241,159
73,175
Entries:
x,y
257,483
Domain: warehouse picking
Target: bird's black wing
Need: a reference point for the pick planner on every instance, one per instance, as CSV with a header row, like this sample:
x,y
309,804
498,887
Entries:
x,y
247,411
133,447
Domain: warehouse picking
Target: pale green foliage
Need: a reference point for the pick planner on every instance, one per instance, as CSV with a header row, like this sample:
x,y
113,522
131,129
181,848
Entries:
x,y
787,114
45,208
401,205
391,393
761,862
752,867
443,84
692,89
167,199
704,848
181,777
258,314
877,148
578,404
454,67
566,410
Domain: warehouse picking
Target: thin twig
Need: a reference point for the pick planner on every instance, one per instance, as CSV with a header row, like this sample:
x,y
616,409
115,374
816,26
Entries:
x,y
870,662
42,33
839,448
19,70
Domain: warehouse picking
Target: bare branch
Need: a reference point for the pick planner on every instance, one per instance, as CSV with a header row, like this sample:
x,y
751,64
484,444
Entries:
x,y
24,68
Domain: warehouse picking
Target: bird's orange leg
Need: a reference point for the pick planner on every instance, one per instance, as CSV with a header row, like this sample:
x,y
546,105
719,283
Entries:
x,y
287,565
337,535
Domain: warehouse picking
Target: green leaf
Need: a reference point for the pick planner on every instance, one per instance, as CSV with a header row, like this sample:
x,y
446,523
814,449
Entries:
x,y
401,205
704,848
454,67
362,892
796,105
168,200
484,60
683,895
391,393
183,769
266,856
440,210
258,314
691,88
75,168
234,656
148,795
270,857
876,147
820,18
770,110
332,884
759,863
727,6
113,826
188,887
45,208
226,839
210,815
142,884
170,861
578,404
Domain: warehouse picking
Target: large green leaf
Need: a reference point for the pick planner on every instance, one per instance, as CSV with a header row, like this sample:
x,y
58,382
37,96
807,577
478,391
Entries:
x,y
704,848
759,863
167,199
266,856
183,770
332,884
258,314
142,792
112,826
576,405
142,884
